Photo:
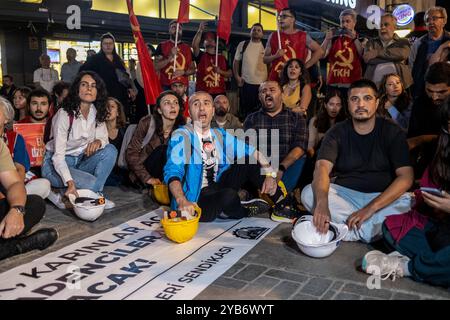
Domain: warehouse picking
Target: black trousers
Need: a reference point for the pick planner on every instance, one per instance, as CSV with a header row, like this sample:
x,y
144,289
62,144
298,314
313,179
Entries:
x,y
34,212
222,196
248,100
155,162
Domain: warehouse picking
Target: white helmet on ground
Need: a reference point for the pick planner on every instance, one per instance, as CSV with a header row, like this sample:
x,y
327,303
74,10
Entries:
x,y
89,205
314,244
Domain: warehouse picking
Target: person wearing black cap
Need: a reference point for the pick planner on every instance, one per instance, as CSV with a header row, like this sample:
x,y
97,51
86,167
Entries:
x,y
111,68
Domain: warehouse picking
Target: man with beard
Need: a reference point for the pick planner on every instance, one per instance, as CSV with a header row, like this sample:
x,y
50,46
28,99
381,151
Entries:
x,y
250,70
180,86
222,116
423,128
38,103
8,88
290,131
367,158
210,78
203,166
166,53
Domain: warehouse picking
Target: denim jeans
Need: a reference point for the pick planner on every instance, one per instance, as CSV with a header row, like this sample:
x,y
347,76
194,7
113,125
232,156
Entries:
x,y
343,202
425,265
87,172
292,174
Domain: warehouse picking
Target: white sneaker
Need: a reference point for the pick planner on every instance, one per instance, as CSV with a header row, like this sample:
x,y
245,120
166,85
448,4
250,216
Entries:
x,y
56,199
379,263
109,204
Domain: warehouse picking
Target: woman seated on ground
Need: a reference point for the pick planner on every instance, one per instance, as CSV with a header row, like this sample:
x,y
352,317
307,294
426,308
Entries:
x,y
146,152
20,102
395,102
295,83
421,237
18,150
330,112
78,154
116,125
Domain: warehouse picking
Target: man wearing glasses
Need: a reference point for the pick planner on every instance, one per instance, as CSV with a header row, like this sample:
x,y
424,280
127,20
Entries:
x,y
294,44
425,47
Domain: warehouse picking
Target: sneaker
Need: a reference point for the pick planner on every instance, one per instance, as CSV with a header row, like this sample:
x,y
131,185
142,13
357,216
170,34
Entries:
x,y
256,206
286,211
109,204
56,199
41,239
385,265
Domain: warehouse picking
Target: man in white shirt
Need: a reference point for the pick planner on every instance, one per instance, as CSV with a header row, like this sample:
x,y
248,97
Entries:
x,y
45,77
250,70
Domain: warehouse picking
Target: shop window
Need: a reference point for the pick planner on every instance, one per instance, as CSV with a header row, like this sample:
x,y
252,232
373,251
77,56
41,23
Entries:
x,y
265,16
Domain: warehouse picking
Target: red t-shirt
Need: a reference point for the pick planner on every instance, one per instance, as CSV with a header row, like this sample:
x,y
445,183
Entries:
x,y
344,60
184,60
27,119
206,75
295,46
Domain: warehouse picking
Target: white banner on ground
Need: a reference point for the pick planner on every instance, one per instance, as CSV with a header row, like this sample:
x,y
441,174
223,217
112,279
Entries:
x,y
136,261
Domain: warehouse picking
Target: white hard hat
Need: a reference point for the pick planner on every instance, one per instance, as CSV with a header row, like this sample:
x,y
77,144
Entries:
x,y
89,205
314,244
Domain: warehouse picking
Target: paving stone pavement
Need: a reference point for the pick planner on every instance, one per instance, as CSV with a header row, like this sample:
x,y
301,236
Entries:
x,y
275,269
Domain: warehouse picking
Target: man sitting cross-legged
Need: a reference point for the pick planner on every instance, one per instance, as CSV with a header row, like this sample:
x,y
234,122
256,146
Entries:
x,y
368,159
202,168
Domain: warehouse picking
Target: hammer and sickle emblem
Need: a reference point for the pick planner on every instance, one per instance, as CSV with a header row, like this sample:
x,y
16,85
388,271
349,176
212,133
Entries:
x,y
345,62
280,64
179,66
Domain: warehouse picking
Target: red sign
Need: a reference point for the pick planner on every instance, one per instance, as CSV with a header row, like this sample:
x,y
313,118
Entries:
x,y
33,134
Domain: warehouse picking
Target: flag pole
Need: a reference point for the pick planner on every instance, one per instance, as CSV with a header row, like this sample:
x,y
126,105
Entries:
x,y
217,57
176,46
278,30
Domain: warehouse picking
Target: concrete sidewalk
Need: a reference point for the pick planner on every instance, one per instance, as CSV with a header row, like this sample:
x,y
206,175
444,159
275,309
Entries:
x,y
274,269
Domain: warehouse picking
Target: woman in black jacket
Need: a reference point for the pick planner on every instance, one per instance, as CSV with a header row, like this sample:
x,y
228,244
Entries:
x,y
111,68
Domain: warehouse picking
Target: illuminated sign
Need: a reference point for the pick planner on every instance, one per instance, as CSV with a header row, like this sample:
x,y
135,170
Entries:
x,y
404,14
345,3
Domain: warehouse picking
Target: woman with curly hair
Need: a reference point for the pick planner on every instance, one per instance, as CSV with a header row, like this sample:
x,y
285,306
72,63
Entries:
x,y
395,102
295,83
78,154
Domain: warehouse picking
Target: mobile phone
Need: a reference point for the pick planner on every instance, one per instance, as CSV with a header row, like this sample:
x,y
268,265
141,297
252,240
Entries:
x,y
433,191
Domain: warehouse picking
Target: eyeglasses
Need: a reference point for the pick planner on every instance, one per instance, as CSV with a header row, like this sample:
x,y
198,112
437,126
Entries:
x,y
434,18
284,16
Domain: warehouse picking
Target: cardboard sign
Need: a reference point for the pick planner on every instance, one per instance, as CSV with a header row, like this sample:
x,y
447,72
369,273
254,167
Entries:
x,y
33,134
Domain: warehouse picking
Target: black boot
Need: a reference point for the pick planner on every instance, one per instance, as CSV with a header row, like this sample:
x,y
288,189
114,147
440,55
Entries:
x,y
41,239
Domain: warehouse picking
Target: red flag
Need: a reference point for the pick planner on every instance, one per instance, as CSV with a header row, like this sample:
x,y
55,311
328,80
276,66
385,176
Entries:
x,y
281,4
183,11
225,13
152,86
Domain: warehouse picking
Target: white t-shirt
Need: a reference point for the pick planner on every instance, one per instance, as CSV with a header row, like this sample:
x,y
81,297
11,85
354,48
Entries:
x,y
46,78
254,71
210,160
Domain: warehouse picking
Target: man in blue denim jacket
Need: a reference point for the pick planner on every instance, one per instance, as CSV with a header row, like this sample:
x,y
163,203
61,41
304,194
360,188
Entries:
x,y
208,167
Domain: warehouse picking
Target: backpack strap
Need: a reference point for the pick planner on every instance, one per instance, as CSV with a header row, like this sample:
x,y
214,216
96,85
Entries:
x,y
244,47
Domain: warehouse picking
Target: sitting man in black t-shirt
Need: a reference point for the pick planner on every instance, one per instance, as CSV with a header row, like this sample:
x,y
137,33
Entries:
x,y
424,124
367,159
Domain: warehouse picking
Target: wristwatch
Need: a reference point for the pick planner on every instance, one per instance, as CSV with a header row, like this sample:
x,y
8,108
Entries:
x,y
20,209
272,174
282,168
